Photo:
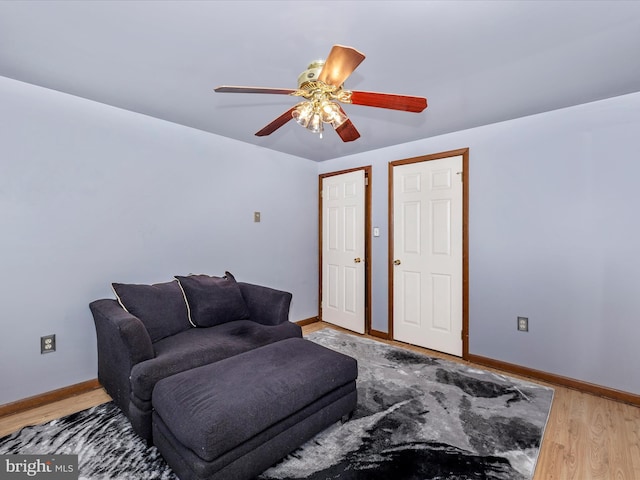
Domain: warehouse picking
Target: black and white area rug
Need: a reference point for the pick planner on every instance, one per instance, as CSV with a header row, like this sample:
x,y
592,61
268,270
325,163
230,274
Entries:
x,y
418,418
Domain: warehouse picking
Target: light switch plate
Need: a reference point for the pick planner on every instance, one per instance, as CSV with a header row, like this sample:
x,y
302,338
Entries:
x,y
256,217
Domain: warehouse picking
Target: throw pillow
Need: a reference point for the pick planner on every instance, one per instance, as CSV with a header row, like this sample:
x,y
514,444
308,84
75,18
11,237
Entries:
x,y
213,300
160,307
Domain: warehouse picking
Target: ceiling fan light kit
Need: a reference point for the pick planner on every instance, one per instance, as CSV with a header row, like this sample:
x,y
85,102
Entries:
x,y
319,108
313,114
321,85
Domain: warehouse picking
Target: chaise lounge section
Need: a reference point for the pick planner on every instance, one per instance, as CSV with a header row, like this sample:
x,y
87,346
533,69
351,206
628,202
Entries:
x,y
153,332
235,418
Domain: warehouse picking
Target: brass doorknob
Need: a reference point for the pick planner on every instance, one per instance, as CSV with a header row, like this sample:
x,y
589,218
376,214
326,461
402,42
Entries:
x,y
357,260
397,262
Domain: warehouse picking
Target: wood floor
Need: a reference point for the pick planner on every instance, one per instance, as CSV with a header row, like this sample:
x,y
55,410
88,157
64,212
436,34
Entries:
x,y
587,437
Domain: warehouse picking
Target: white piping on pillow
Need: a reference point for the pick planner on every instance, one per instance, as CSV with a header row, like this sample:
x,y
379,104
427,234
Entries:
x,y
118,298
184,295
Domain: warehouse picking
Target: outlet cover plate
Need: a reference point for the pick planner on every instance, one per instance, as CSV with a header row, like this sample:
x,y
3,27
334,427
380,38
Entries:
x,y
523,324
48,344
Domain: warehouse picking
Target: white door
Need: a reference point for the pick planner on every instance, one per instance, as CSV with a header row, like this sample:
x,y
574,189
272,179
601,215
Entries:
x,y
343,250
427,254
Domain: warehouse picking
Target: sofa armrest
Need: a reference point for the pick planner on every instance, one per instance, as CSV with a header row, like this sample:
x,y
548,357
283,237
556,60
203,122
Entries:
x,y
123,341
266,305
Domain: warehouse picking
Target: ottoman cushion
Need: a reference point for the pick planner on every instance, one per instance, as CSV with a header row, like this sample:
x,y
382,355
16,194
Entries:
x,y
214,408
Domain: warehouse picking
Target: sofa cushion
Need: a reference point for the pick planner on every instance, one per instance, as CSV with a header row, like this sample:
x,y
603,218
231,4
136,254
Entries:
x,y
212,300
160,307
200,346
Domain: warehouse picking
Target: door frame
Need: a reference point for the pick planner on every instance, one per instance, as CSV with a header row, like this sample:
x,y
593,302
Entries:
x,y
367,241
464,152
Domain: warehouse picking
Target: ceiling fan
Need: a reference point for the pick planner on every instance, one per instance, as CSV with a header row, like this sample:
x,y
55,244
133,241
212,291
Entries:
x,y
321,85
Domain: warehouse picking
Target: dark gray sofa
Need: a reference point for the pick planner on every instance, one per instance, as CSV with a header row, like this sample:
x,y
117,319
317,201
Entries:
x,y
155,331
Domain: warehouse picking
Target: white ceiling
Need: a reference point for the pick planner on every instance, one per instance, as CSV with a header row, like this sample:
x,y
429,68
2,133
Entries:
x,y
477,62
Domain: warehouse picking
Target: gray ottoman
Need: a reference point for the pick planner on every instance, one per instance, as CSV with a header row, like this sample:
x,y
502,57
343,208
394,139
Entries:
x,y
233,419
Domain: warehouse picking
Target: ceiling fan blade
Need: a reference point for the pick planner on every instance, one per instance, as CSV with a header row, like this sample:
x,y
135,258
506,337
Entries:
x,y
387,100
276,124
232,89
348,132
340,63
347,129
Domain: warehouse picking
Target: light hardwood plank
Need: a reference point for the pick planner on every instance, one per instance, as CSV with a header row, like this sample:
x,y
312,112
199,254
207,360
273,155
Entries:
x,y
51,411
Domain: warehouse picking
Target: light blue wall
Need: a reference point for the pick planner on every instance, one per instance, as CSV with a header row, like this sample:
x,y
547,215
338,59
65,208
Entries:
x,y
553,235
91,194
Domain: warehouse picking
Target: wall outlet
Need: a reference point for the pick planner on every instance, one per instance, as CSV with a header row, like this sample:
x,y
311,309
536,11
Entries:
x,y
523,324
48,344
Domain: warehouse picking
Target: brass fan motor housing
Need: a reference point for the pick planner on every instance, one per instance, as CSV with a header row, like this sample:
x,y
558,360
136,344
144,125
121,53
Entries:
x,y
311,73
